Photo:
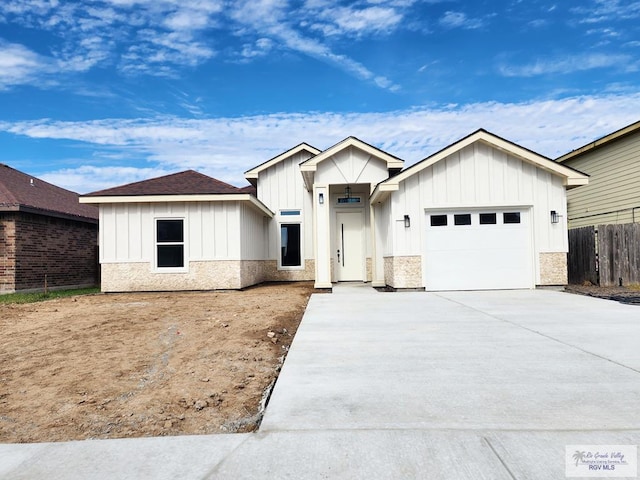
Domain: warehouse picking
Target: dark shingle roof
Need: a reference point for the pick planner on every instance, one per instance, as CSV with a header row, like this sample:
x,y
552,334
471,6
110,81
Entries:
x,y
188,182
250,189
22,192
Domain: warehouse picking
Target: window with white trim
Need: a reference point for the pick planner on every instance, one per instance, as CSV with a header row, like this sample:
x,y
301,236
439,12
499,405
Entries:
x,y
170,243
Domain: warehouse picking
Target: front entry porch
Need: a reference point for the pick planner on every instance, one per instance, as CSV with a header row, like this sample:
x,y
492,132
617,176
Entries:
x,y
343,234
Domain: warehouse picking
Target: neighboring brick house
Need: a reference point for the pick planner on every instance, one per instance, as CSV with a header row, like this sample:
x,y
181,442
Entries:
x,y
44,233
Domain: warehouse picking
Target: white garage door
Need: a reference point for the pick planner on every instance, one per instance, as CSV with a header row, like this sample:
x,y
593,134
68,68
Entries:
x,y
479,250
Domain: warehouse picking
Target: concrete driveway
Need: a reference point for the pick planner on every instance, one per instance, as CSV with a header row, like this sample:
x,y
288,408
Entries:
x,y
532,360
460,385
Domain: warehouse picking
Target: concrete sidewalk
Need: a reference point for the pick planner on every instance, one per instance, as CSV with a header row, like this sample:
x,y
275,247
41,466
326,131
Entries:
x,y
459,385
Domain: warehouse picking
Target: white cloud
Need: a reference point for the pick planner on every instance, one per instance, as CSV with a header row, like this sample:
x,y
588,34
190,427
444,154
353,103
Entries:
x,y
453,19
260,48
599,11
538,23
570,64
357,21
226,147
18,64
267,19
158,37
90,178
28,7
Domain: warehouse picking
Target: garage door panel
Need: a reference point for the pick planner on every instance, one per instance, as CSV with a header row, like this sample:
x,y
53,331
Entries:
x,y
469,257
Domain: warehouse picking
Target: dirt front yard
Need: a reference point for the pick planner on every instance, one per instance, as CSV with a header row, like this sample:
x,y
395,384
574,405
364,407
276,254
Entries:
x,y
143,364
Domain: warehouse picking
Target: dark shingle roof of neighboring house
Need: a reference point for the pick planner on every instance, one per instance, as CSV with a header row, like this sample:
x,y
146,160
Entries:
x,y
22,192
188,182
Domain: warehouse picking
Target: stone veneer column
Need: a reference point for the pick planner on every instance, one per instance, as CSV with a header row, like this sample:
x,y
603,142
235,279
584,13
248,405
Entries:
x,y
404,271
553,268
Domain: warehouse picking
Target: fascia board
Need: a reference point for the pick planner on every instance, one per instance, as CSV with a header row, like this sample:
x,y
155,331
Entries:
x,y
231,197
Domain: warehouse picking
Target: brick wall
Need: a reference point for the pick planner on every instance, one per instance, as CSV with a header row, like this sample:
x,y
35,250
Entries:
x,y
7,252
63,250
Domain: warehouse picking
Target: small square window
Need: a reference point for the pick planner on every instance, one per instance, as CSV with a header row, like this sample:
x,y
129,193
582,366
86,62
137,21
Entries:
x,y
487,219
462,219
511,217
438,220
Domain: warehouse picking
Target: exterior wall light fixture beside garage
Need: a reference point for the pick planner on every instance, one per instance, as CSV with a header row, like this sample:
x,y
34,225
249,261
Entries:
x,y
321,198
555,216
407,221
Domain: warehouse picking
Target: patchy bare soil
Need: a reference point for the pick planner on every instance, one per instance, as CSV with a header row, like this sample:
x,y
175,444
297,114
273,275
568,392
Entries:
x,y
143,364
629,294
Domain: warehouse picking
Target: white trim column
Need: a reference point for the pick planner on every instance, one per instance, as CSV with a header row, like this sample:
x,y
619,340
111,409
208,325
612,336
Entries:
x,y
322,235
377,262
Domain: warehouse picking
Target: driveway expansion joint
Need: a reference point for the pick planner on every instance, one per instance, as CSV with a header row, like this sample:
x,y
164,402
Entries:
x,y
504,464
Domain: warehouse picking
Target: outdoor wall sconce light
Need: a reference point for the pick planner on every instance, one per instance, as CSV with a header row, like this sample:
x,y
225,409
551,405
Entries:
x,y
321,198
407,221
555,217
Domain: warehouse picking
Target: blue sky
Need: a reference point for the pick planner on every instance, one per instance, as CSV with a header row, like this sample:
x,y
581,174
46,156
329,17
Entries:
x,y
96,93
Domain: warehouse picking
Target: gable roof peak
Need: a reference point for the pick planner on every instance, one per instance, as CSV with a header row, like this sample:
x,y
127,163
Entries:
x,y
571,177
252,174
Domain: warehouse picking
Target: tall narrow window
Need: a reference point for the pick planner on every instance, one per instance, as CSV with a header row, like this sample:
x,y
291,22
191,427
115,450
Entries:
x,y
170,243
290,245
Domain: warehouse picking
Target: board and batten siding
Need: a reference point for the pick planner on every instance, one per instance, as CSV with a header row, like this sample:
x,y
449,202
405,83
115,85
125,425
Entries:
x,y
281,187
212,230
384,232
479,177
613,193
254,238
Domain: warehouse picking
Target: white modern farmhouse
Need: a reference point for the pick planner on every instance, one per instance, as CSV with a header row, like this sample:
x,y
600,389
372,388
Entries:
x,y
483,213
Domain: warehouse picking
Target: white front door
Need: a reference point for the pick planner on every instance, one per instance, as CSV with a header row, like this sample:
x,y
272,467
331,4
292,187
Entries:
x,y
349,245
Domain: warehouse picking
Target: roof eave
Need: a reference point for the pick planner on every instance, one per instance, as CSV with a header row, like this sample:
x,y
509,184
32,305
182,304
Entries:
x,y
573,182
601,142
47,213
211,197
382,192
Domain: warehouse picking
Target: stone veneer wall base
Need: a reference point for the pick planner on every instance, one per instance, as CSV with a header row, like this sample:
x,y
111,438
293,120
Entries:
x,y
202,275
139,277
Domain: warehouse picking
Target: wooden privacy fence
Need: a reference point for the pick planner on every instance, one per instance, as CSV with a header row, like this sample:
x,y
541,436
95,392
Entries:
x,y
607,255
